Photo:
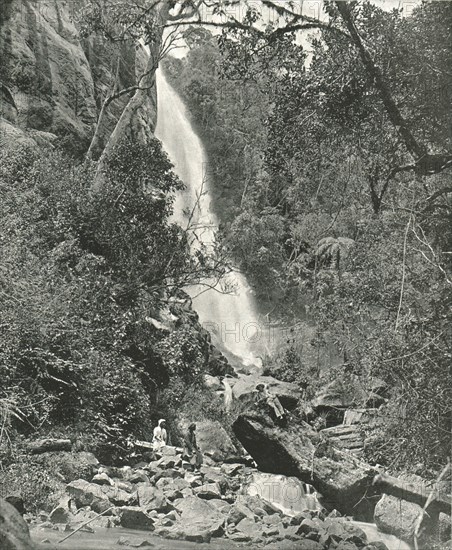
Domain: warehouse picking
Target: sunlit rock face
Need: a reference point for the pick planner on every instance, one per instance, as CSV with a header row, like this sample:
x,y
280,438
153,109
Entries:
x,y
54,82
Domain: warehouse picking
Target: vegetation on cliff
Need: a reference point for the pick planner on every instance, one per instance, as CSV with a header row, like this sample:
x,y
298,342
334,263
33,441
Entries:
x,y
94,331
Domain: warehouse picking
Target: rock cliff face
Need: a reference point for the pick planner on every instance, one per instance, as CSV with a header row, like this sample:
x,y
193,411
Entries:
x,y
53,82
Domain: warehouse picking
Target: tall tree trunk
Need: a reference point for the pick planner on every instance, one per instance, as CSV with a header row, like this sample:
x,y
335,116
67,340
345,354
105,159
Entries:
x,y
138,120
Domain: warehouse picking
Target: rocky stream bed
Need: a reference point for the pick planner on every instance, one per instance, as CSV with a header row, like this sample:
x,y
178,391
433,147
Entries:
x,y
165,504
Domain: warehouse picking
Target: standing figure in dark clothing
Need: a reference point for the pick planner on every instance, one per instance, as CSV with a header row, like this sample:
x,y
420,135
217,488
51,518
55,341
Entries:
x,y
191,449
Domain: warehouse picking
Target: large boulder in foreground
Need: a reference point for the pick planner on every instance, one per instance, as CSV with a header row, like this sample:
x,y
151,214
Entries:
x,y
14,533
299,451
199,520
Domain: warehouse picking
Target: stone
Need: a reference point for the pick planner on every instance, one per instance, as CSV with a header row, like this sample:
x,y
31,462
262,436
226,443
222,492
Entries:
x,y
345,437
199,520
270,531
168,450
14,534
350,392
138,476
208,491
239,537
273,519
102,479
134,517
255,503
171,472
346,545
215,475
124,485
213,440
397,517
151,498
221,505
17,502
297,519
98,496
297,451
60,514
310,526
232,469
170,461
352,533
239,511
193,480
153,467
249,528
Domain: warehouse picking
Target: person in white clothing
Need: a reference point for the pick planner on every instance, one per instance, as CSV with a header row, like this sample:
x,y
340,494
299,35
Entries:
x,y
160,435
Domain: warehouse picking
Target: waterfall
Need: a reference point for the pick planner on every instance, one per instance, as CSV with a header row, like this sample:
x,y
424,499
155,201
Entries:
x,y
231,318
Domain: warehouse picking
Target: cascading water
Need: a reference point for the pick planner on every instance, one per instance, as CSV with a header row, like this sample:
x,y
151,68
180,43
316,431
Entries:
x,y
231,317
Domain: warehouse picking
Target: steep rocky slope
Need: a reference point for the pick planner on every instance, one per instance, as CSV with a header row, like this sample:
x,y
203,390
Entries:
x,y
52,81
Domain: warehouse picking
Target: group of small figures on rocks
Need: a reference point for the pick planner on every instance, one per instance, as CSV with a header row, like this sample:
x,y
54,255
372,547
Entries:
x,y
172,499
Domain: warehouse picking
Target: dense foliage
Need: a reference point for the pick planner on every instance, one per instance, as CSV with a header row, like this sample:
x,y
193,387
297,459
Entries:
x,y
324,213
87,285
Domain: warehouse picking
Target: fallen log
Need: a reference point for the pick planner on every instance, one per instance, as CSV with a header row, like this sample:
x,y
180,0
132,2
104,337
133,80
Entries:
x,y
49,445
414,492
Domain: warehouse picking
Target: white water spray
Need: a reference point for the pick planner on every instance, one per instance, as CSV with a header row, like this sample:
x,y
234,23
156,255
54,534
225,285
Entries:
x,y
231,318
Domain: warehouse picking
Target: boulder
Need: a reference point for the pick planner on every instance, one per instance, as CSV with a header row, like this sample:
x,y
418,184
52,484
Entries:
x,y
346,437
97,496
138,476
255,503
239,511
169,450
215,475
102,479
17,502
170,461
232,469
134,542
345,393
208,491
298,451
397,517
249,527
134,517
193,480
14,534
213,440
199,521
151,498
60,514
288,393
221,505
